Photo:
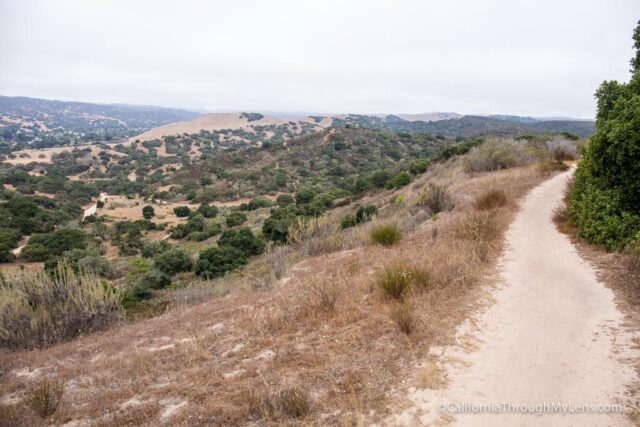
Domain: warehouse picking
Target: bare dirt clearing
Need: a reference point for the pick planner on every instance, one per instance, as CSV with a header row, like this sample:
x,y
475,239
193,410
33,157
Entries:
x,y
554,334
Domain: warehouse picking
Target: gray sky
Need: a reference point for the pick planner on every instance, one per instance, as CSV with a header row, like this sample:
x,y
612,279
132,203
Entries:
x,y
536,57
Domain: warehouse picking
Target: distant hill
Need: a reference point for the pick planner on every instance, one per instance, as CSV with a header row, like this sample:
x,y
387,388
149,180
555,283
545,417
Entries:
x,y
35,120
471,126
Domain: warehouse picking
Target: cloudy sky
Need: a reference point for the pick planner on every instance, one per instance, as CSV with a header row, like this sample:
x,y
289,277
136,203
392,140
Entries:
x,y
535,57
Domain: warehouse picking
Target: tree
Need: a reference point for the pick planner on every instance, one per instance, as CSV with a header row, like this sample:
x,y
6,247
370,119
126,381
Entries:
x,y
216,261
182,211
148,212
173,261
604,201
242,239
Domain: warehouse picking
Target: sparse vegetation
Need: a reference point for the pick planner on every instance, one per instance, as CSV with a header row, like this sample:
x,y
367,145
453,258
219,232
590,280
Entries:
x,y
44,398
435,199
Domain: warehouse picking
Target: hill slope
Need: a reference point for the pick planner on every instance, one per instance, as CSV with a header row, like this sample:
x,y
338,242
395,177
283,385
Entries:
x,y
31,119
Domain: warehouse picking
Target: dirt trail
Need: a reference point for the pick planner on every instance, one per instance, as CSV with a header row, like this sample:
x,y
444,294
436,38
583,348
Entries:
x,y
553,334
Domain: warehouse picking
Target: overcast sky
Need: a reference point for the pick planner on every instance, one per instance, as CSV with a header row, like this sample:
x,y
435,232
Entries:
x,y
536,57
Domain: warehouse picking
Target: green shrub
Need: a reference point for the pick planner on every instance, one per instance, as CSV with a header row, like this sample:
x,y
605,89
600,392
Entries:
x,y
173,261
180,231
284,200
242,239
214,229
148,212
348,221
304,195
386,234
182,211
198,236
604,201
419,166
207,211
154,279
39,308
152,248
257,203
216,261
398,181
235,218
365,213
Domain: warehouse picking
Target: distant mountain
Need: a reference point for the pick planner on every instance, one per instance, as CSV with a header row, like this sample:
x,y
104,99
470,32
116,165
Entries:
x,y
31,119
471,126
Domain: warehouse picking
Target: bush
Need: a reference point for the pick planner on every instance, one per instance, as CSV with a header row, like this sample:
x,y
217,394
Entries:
x,y
180,231
493,155
53,244
148,212
182,211
215,261
435,199
173,261
152,248
284,200
604,202
396,279
39,309
365,213
419,166
398,181
214,229
562,149
386,234
207,211
45,397
195,223
154,279
348,221
294,403
257,203
491,199
235,218
402,315
242,239
304,195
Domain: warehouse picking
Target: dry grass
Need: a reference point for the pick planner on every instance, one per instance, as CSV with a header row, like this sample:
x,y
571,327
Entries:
x,y
492,199
402,315
196,364
38,308
45,397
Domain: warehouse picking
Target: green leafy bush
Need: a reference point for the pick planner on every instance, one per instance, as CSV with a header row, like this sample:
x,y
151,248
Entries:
x,y
154,279
235,218
173,261
216,261
604,201
207,211
398,181
148,212
242,239
182,211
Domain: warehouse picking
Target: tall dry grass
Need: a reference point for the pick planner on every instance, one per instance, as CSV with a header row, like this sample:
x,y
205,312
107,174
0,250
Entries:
x,y
38,308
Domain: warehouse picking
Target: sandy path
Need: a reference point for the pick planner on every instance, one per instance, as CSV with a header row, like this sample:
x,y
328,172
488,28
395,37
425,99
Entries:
x,y
553,334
